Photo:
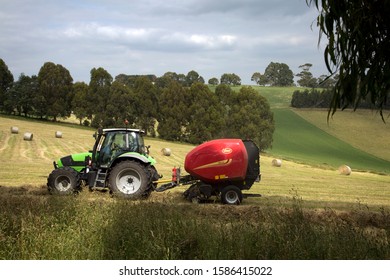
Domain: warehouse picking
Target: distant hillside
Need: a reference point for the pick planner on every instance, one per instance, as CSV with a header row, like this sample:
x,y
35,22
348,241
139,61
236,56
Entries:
x,y
359,139
297,139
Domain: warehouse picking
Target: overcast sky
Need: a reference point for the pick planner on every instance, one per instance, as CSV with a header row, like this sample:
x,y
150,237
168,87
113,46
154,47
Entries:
x,y
212,37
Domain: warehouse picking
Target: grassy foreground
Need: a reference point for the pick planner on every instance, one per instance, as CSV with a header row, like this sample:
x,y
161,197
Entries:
x,y
47,227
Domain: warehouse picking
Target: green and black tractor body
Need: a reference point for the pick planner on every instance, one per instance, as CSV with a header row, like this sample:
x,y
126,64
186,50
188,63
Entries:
x,y
76,161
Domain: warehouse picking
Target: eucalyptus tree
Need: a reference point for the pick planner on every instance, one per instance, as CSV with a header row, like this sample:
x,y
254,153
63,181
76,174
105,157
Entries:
x,y
21,97
250,117
6,80
204,114
259,79
230,79
172,111
98,95
79,102
193,77
146,106
358,49
306,78
55,91
279,75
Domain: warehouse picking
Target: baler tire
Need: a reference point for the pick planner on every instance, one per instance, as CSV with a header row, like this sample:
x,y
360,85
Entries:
x,y
129,179
63,181
231,195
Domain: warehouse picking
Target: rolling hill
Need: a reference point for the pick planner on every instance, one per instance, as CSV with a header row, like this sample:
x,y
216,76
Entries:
x,y
299,140
358,139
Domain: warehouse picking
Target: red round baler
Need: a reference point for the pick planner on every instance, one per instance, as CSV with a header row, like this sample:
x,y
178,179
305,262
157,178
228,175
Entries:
x,y
222,167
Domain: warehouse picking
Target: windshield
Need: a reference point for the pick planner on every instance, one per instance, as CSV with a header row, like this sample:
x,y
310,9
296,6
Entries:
x,y
136,143
115,143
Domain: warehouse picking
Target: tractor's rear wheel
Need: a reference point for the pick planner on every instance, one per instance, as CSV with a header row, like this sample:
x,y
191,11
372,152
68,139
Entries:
x,y
129,179
231,195
63,181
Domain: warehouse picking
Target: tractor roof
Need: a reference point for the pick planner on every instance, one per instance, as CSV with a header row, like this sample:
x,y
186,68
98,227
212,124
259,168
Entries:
x,y
123,129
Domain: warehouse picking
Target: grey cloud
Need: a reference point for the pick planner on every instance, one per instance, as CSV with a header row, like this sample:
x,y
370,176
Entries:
x,y
211,37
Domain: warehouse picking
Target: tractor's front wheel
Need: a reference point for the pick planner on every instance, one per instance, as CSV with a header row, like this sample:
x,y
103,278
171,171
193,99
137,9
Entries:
x,y
63,181
231,195
129,179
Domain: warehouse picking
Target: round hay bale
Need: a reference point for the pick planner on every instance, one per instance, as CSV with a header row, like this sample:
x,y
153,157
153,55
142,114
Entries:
x,y
277,162
166,152
58,134
345,170
14,130
28,136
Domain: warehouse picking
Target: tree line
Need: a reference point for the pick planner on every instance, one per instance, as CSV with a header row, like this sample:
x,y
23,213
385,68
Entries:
x,y
317,98
175,107
280,75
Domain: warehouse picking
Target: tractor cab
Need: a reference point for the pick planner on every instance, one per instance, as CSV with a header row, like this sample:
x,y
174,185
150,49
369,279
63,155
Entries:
x,y
113,142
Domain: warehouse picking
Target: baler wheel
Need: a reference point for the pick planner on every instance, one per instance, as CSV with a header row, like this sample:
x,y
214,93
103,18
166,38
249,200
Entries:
x,y
231,195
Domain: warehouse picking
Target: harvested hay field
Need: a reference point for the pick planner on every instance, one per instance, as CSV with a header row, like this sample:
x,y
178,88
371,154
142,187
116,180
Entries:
x,y
304,212
25,166
28,162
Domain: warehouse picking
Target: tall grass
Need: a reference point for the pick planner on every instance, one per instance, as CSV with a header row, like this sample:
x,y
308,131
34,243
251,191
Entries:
x,y
77,228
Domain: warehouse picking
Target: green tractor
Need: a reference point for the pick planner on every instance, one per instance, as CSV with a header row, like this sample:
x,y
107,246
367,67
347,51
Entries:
x,y
119,162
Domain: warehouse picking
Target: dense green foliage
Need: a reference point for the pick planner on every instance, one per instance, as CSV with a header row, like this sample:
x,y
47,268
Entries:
x,y
6,80
315,98
311,98
231,79
23,96
259,79
276,74
279,75
247,115
358,49
176,106
197,114
55,89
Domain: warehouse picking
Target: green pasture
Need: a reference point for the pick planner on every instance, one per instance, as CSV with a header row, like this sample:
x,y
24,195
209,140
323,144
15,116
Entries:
x,y
362,129
278,97
358,139
297,139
